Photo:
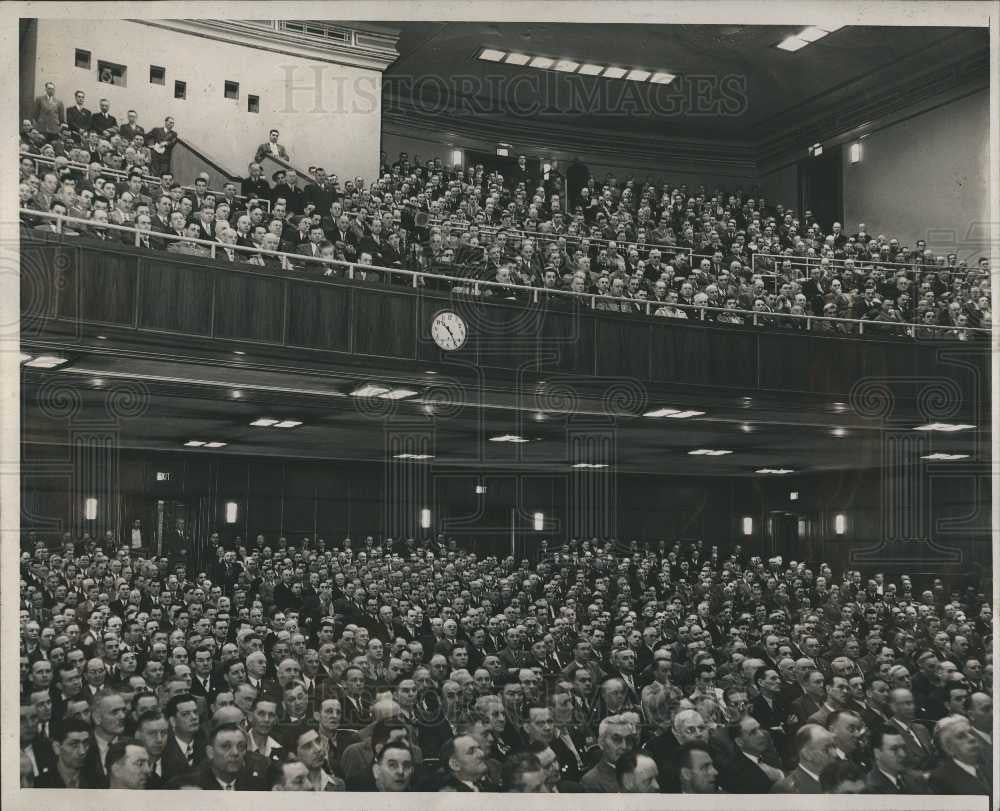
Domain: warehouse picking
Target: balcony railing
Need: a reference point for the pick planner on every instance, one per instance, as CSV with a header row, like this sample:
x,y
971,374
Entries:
x,y
517,292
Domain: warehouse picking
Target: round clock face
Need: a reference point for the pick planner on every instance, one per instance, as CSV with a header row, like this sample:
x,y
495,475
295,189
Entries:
x,y
448,330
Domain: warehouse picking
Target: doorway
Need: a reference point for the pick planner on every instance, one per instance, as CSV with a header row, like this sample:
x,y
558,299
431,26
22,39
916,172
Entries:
x,y
821,187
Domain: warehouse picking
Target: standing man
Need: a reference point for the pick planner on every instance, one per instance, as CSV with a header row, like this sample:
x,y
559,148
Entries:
x,y
78,117
131,128
49,113
103,120
271,148
161,142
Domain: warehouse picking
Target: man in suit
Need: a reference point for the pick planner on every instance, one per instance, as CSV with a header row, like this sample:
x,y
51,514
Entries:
x,y
103,120
464,761
225,767
70,743
131,127
108,715
153,731
271,148
980,714
37,748
959,772
49,112
815,748
889,775
184,749
322,193
919,748
748,773
78,117
812,699
161,142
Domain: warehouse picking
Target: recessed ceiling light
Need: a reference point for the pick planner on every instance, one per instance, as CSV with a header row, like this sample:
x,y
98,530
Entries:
x,y
102,337
708,452
662,78
945,457
662,412
398,394
288,424
238,352
746,428
590,69
237,394
369,390
518,59
430,372
777,471
540,417
614,73
792,44
566,65
839,432
414,456
639,75
589,466
508,438
264,422
215,444
812,33
193,443
674,413
543,62
492,55
97,381
944,426
46,362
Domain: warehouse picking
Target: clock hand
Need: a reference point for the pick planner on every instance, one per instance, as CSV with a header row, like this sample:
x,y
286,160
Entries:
x,y
452,334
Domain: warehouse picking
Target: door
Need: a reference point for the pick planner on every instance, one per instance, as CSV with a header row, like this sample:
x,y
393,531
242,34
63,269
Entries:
x,y
821,187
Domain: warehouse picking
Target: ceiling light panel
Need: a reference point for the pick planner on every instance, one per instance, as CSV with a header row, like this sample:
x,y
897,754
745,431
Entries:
x,y
614,73
518,59
492,55
590,69
792,44
638,75
566,65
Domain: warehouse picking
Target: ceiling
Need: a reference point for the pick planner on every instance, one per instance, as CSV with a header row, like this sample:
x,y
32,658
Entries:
x,y
160,403
752,87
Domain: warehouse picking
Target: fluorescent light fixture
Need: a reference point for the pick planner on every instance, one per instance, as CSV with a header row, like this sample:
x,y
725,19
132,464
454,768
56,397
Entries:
x,y
518,59
792,44
812,33
793,495
945,457
840,523
539,522
614,73
508,438
415,456
46,362
639,75
708,452
425,518
662,78
215,444
231,509
25,358
839,432
90,509
456,157
566,65
288,424
776,471
590,69
370,390
264,422
193,443
543,62
944,426
589,466
674,413
492,55
683,415
747,525
856,153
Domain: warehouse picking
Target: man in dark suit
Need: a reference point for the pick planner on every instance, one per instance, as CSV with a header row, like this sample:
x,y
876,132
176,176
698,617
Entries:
x,y
919,748
959,772
748,773
889,775
78,117
464,761
815,748
131,128
103,120
225,767
72,740
161,142
185,748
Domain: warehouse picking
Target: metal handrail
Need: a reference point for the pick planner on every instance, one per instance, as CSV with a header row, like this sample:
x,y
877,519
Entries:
x,y
807,261
476,285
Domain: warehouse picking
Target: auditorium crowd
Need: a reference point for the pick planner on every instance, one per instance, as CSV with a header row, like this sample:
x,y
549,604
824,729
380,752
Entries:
x,y
636,247
417,665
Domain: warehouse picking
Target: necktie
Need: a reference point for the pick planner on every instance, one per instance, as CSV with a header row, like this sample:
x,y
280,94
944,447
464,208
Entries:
x,y
190,754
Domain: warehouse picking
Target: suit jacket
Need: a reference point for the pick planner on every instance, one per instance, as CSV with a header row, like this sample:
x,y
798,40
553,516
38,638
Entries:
x,y
743,776
797,782
918,755
128,132
250,778
264,150
99,122
572,770
804,707
878,783
949,778
175,762
49,114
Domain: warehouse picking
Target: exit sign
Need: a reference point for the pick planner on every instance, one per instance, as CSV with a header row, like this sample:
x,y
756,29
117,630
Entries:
x,y
163,476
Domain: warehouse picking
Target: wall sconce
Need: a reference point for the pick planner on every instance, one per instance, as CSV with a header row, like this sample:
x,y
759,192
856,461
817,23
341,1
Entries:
x,y
539,522
840,523
747,525
425,518
855,152
231,510
90,509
